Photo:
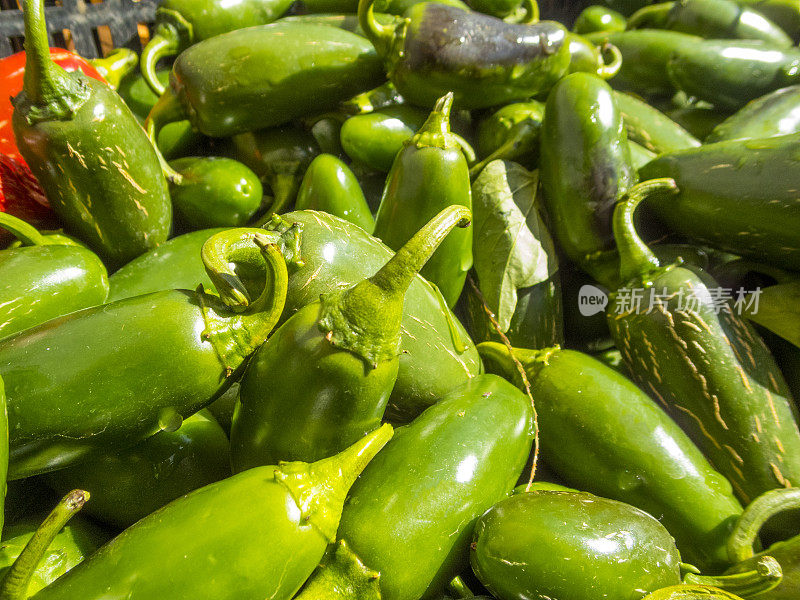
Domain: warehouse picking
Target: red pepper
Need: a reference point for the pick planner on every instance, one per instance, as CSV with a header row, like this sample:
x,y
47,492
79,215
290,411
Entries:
x,y
11,72
21,196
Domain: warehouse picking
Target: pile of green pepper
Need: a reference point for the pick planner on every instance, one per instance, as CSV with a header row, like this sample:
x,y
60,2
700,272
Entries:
x,y
401,300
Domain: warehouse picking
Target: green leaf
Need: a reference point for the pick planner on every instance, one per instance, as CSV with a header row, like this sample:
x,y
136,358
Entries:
x,y
511,247
778,309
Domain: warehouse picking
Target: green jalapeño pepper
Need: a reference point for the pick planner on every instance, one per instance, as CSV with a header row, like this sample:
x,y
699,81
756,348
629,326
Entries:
x,y
406,525
484,61
786,552
606,436
784,13
777,113
735,195
90,155
280,157
174,265
713,70
223,86
569,545
599,18
685,344
710,19
650,127
3,450
375,138
45,278
113,375
429,174
256,535
585,57
324,377
511,133
585,166
330,186
645,54
437,354
127,485
214,192
181,23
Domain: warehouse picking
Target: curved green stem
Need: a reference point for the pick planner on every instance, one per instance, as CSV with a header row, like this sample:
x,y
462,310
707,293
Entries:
x,y
397,274
381,36
372,100
114,67
167,110
15,583
505,150
466,148
766,576
27,234
284,188
636,259
650,17
758,512
607,70
532,14
498,357
164,43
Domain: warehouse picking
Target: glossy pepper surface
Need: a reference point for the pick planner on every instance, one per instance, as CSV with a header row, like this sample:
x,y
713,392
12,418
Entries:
x,y
724,19
613,549
407,522
776,113
512,133
599,18
585,166
45,278
330,186
222,87
214,192
645,53
435,49
292,509
375,138
174,265
712,70
429,174
127,485
704,363
340,354
177,349
585,57
736,196
181,23
437,354
91,157
650,127
606,436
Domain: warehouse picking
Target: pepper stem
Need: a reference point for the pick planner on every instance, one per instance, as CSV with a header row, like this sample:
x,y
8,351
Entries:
x,y
49,88
497,359
381,36
365,319
163,43
530,15
256,318
650,17
27,234
767,575
342,576
607,70
338,473
435,131
758,512
14,585
636,259
167,110
116,65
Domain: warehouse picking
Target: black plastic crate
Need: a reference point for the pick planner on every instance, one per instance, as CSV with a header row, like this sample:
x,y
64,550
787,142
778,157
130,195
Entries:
x,y
82,20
